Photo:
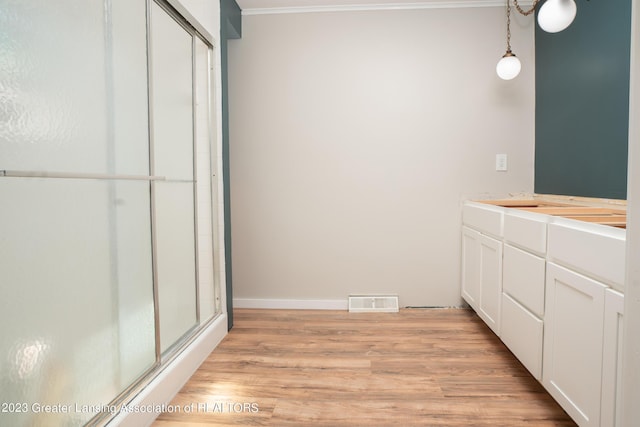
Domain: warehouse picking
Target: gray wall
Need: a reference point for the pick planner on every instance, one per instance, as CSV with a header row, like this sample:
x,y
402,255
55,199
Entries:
x,y
230,28
355,136
582,103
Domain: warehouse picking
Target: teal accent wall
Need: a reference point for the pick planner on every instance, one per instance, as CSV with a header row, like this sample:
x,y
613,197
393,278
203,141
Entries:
x,y
582,103
230,28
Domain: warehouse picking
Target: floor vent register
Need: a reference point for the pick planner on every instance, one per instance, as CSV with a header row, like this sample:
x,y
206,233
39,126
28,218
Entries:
x,y
373,303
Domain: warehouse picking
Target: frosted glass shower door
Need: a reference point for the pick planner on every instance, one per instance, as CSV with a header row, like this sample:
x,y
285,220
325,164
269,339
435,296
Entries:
x,y
76,320
173,158
76,278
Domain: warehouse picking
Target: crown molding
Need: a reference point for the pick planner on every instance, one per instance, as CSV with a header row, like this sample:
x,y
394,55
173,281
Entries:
x,y
434,4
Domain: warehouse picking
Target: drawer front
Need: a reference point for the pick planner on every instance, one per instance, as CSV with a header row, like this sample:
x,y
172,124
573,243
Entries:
x,y
597,253
523,278
522,333
528,233
487,219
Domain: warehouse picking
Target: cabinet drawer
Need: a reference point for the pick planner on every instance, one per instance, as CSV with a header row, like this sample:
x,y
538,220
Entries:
x,y
526,231
594,250
522,333
485,218
523,278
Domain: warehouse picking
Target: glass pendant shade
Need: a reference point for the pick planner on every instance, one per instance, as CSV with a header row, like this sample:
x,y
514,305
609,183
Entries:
x,y
508,67
556,15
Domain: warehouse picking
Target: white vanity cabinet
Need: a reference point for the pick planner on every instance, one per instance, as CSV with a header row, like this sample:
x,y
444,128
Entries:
x,y
584,263
552,289
482,261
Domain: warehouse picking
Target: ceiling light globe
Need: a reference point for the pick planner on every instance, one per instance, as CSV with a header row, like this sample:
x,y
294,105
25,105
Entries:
x,y
556,15
508,67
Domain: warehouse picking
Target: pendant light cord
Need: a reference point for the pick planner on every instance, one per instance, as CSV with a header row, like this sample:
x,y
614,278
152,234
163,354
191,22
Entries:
x,y
508,26
522,11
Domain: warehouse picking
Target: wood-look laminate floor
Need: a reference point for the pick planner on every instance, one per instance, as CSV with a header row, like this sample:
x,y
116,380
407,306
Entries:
x,y
419,367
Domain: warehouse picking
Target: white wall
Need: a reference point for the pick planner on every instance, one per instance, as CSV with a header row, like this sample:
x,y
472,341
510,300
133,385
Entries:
x,y
631,353
354,138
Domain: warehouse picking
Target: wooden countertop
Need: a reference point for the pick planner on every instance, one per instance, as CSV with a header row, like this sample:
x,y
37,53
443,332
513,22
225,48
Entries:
x,y
614,215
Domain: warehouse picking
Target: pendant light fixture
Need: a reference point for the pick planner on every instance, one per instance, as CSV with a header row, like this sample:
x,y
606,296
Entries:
x,y
556,15
509,66
553,17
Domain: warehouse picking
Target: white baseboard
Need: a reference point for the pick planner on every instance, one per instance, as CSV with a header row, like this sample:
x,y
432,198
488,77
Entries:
x,y
161,390
293,304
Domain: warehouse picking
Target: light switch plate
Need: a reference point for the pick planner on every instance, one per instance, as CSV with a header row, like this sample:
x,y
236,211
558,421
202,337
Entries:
x,y
501,162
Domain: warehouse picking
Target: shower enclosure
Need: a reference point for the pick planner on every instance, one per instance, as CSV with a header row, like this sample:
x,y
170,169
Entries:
x,y
107,202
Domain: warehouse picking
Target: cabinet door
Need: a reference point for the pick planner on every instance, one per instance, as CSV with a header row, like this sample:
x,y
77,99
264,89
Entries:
x,y
612,358
490,282
471,267
572,361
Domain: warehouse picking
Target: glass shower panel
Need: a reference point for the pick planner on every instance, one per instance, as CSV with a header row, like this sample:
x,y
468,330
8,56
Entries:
x,y
73,86
207,295
130,94
175,256
172,96
173,157
76,297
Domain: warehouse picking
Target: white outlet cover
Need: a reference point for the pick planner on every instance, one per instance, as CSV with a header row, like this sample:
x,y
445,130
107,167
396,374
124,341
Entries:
x,y
501,162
